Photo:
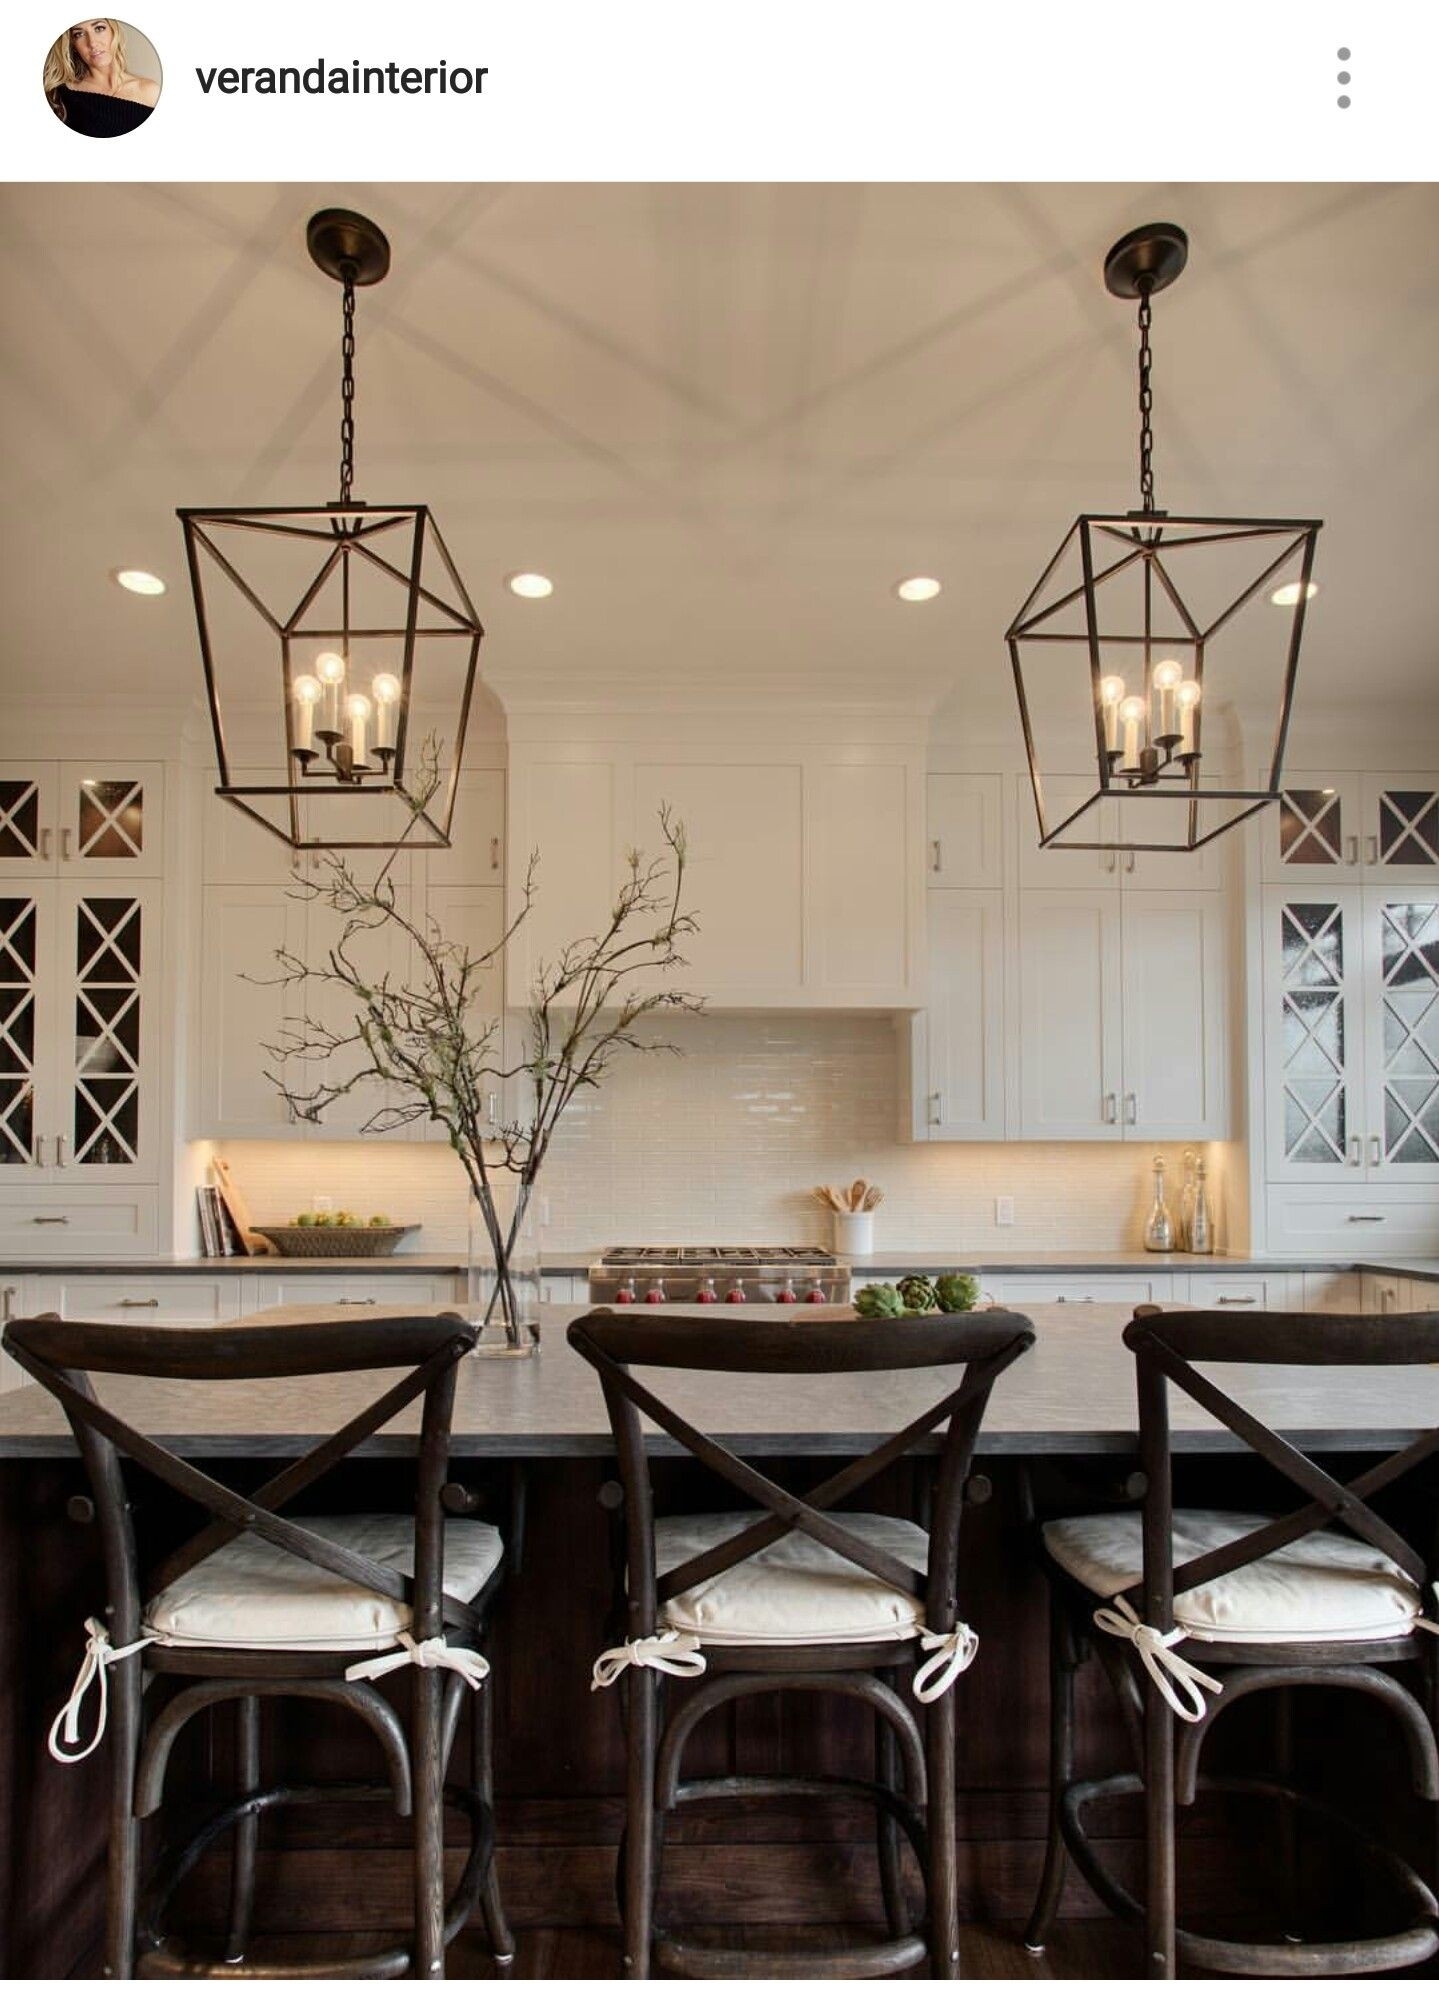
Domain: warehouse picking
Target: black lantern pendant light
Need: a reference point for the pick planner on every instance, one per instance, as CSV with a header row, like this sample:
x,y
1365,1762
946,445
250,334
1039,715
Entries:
x,y
1156,647
338,642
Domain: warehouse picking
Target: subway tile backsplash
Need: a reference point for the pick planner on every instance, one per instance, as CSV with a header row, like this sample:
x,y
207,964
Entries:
x,y
726,1142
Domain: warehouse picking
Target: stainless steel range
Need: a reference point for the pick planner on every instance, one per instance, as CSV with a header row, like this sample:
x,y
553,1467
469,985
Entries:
x,y
718,1275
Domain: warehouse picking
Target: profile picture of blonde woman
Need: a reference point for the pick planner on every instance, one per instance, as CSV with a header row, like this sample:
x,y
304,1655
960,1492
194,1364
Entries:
x,y
95,78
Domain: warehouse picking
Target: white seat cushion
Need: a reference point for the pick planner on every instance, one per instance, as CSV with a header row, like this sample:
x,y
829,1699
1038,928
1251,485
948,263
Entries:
x,y
796,1591
1326,1585
253,1596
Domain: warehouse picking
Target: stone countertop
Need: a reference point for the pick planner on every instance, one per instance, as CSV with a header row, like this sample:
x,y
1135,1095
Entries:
x,y
1073,1393
570,1261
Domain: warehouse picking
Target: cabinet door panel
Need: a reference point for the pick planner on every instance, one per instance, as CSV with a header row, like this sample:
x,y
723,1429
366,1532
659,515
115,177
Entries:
x,y
964,832
109,946
963,1084
244,1005
476,855
744,870
564,811
864,912
1401,1140
1175,1015
374,953
28,1094
1313,974
27,818
1235,1292
1401,828
1069,1061
1086,870
1315,830
110,819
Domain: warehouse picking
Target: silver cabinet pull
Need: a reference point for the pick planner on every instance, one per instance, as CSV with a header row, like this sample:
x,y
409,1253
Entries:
x,y
1222,1300
936,1110
62,1143
935,854
51,1219
1354,1150
1351,848
494,853
1372,846
1110,862
64,846
1129,862
44,846
356,1302
138,1302
1111,1108
1074,1299
1367,1218
492,1108
40,1142
7,1302
1131,1107
1375,1152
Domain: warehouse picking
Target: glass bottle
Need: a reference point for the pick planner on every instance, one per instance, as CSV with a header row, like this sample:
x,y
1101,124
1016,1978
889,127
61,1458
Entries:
x,y
1184,1221
1201,1225
1159,1227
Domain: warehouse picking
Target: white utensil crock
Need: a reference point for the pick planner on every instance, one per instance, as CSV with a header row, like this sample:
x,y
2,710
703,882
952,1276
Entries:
x,y
854,1232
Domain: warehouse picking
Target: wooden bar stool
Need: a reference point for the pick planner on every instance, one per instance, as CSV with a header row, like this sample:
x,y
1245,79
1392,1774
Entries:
x,y
796,1597
1329,1594
256,1606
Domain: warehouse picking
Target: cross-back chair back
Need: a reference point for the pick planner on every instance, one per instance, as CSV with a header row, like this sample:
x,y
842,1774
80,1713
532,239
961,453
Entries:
x,y
980,1344
1170,1347
426,1351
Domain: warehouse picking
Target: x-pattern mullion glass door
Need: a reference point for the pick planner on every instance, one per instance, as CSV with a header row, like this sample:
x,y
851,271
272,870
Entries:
x,y
1314,1013
28,1090
108,946
1401,950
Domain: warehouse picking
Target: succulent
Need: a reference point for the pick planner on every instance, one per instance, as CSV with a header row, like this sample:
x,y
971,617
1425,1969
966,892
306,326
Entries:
x,y
879,1299
956,1292
916,1292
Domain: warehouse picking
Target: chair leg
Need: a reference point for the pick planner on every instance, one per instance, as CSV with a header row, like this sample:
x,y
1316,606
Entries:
x,y
642,1730
1159,1912
429,1815
247,1831
888,1836
943,1838
1062,1662
123,1873
502,1944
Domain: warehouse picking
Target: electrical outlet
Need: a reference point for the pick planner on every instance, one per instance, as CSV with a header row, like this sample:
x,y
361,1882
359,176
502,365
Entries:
x,y
1004,1211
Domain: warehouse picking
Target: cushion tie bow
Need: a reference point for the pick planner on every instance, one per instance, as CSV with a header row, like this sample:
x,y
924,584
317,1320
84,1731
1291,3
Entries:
x,y
434,1654
100,1653
667,1651
1178,1681
951,1653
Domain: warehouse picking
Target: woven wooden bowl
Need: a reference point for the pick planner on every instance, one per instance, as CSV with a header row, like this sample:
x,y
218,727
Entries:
x,y
329,1243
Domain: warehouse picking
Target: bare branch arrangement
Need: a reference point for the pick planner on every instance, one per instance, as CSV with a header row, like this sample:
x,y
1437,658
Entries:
x,y
429,1038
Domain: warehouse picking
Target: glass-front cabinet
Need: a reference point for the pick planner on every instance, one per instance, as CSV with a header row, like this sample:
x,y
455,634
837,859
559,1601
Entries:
x,y
1352,1012
1376,828
74,818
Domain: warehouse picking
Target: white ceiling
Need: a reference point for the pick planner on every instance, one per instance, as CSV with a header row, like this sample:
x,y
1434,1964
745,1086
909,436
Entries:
x,y
725,419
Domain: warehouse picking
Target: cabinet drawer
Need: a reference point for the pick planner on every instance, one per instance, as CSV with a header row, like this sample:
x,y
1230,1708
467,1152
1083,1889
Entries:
x,y
1357,1223
143,1299
1129,1289
50,1220
360,1289
1339,1295
1241,1291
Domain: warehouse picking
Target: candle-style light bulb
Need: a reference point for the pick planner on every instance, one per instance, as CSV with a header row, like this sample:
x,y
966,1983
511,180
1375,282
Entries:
x,y
357,709
1187,697
330,668
306,690
386,691
1167,677
1131,716
1111,696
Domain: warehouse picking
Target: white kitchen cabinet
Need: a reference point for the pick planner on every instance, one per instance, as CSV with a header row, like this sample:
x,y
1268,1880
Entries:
x,y
1372,827
564,815
50,1218
1070,1004
1386,1295
81,819
956,1047
79,1033
865,823
1334,1293
138,1298
476,855
964,832
363,1289
1053,869
1366,1222
243,1007
1019,1289
1351,987
1255,1291
1174,1049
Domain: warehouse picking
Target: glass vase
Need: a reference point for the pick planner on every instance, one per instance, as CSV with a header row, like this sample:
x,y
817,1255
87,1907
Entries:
x,y
505,1284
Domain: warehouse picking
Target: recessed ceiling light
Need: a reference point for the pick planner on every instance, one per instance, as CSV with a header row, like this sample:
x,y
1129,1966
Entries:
x,y
530,584
917,589
143,582
1290,594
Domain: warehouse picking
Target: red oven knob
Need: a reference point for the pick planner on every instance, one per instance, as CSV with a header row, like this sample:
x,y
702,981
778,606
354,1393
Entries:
x,y
815,1293
786,1292
735,1293
655,1293
625,1293
706,1293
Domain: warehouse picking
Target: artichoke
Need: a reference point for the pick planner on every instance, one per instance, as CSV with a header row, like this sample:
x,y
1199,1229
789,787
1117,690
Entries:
x,y
956,1292
879,1299
916,1292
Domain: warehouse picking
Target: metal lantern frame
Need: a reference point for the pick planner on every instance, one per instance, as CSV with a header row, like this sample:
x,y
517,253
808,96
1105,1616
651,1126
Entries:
x,y
414,565
1109,546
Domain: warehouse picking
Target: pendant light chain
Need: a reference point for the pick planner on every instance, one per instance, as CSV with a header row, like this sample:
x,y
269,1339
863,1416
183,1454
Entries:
x,y
1146,404
347,393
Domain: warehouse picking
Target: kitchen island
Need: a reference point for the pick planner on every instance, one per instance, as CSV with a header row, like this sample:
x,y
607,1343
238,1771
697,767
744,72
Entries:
x,y
1060,1432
